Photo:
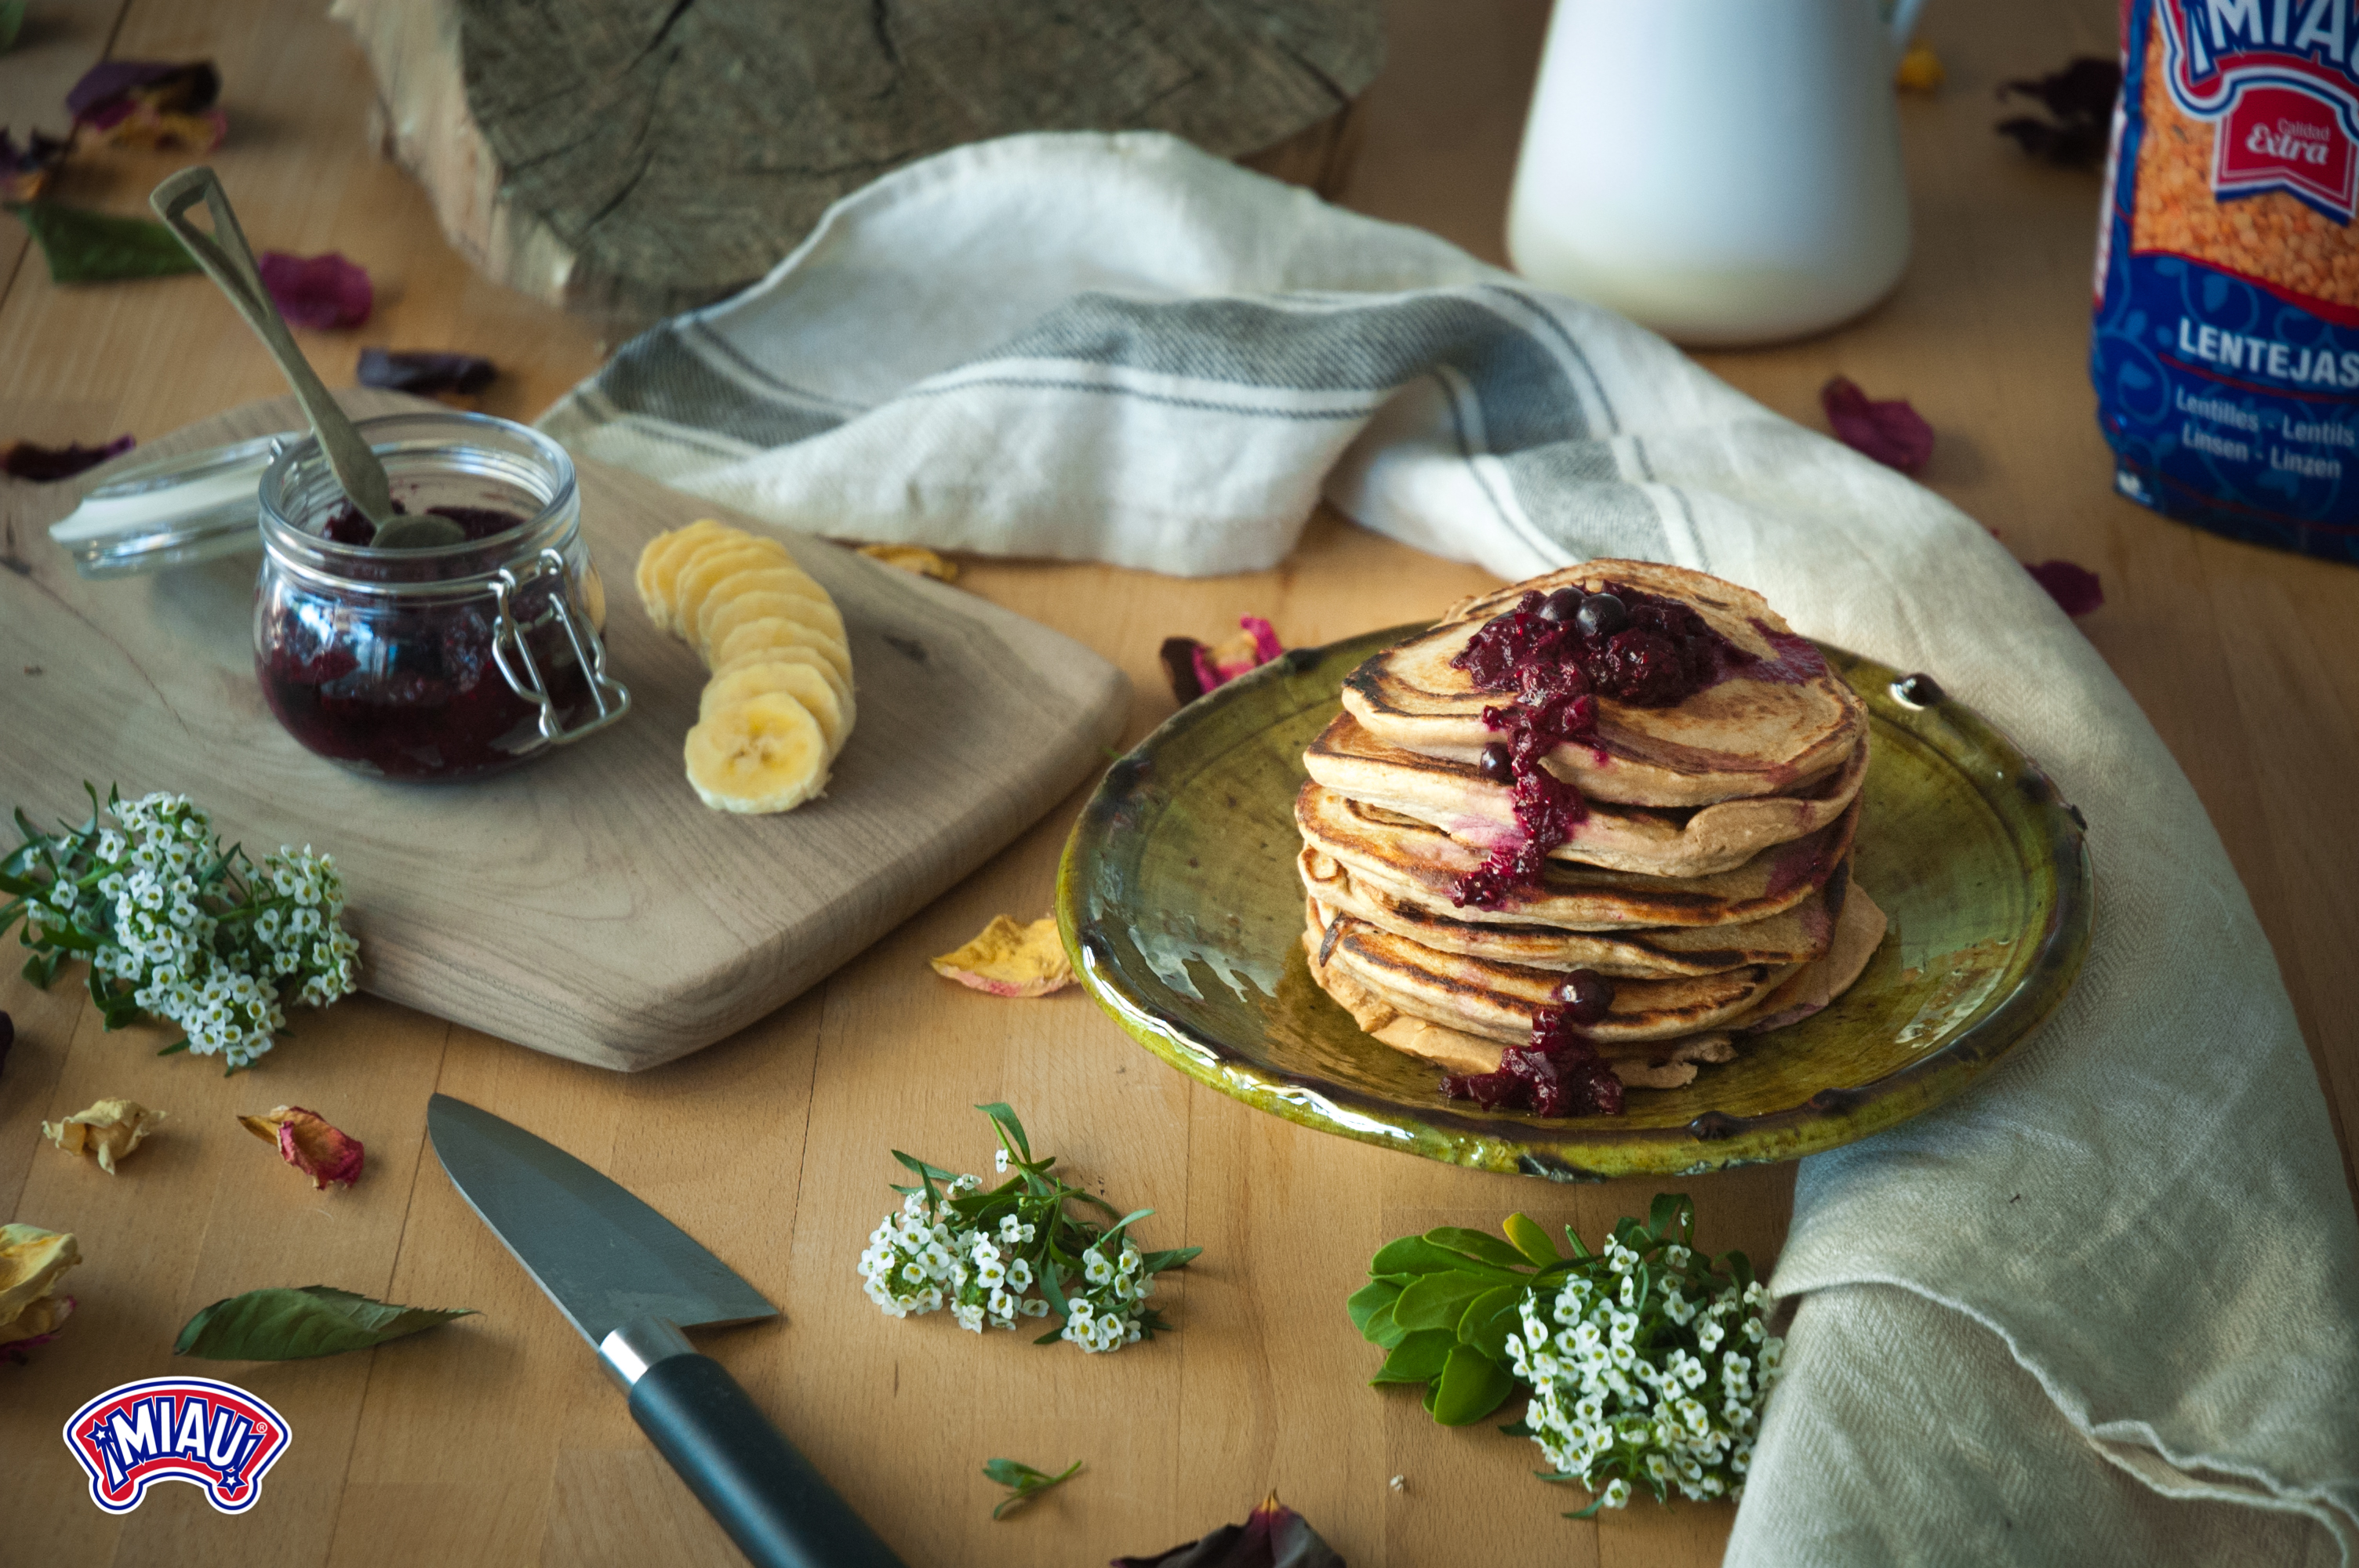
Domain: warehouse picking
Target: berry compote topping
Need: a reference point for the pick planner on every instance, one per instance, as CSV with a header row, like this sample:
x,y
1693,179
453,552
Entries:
x,y
1559,652
1559,1074
412,691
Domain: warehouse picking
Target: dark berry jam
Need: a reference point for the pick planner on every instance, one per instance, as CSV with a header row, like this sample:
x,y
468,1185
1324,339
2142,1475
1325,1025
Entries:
x,y
409,690
349,527
1559,652
1559,1074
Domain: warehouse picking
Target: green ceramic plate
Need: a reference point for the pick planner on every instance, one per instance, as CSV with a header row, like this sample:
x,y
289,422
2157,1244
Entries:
x,y
1179,903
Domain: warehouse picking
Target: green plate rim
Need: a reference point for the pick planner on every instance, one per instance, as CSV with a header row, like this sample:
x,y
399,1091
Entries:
x,y
1593,1148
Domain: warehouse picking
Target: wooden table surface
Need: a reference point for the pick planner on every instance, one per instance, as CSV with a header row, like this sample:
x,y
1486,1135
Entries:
x,y
497,1440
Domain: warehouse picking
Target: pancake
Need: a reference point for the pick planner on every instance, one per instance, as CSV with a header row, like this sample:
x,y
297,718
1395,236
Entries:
x,y
1768,729
1793,936
1658,1064
1495,1000
1418,863
1455,798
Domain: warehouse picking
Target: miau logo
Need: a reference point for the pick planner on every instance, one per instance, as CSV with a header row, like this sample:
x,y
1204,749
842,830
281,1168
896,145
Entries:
x,y
210,1434
2280,81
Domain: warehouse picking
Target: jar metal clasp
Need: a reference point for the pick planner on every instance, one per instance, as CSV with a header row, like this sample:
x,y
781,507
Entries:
x,y
517,667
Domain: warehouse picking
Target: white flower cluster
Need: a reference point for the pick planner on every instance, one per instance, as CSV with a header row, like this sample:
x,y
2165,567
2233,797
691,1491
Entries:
x,y
923,1259
219,976
1679,1410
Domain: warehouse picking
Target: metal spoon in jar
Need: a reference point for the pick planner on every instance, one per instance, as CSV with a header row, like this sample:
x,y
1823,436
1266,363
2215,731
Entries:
x,y
229,262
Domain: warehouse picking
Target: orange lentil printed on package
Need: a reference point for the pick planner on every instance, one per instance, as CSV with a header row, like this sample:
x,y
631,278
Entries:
x,y
2226,348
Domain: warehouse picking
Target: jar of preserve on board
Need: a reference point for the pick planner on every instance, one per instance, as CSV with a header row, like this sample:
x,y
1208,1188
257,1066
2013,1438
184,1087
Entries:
x,y
447,663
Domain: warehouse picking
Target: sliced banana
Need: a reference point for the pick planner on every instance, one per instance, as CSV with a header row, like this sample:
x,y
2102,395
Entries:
x,y
776,631
749,657
723,615
806,683
764,753
784,578
705,570
659,566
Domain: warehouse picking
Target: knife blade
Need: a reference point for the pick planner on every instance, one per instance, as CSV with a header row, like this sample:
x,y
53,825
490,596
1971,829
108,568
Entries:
x,y
629,1281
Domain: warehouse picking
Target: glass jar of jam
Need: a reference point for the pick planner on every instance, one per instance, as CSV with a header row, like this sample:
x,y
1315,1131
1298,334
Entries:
x,y
447,663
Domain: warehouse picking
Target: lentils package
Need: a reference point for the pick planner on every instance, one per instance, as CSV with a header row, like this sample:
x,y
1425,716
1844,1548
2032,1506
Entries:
x,y
2226,352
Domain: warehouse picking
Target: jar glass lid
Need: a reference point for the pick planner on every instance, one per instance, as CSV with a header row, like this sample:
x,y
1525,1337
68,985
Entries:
x,y
191,506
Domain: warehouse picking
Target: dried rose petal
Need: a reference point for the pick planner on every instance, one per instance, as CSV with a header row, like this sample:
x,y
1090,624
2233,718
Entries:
x,y
2080,97
25,170
320,291
914,558
308,1143
43,465
1194,668
31,1262
8,1024
424,371
1889,431
110,1129
1274,1537
1010,960
1919,70
152,130
2074,587
113,90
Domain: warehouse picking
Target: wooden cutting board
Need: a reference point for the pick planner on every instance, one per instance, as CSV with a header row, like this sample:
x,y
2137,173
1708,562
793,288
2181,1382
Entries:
x,y
586,905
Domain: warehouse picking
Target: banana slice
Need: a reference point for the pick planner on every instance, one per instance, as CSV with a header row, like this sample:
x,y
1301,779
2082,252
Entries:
x,y
764,753
777,583
659,566
705,571
807,685
776,631
721,616
749,657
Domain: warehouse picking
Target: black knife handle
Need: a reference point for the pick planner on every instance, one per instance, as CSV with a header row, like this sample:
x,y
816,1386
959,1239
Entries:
x,y
779,1511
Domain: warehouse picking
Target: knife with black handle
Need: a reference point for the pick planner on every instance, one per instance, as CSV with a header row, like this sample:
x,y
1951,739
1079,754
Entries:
x,y
629,1279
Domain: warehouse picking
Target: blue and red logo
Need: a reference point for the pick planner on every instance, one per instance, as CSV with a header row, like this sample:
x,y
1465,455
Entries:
x,y
2279,79
208,1435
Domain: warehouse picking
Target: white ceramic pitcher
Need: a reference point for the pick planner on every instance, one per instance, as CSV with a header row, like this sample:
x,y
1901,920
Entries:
x,y
1724,171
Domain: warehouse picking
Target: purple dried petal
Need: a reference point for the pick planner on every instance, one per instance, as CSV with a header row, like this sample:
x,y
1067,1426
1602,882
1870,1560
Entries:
x,y
425,373
1888,430
2084,90
320,291
1180,657
1274,1537
7,1038
2074,587
1265,638
105,92
43,465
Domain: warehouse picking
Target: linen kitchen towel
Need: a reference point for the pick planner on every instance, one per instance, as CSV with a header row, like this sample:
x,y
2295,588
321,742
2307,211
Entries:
x,y
2101,1308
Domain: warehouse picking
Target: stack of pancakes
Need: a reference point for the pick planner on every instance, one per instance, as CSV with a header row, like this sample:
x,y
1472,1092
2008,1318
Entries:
x,y
1709,883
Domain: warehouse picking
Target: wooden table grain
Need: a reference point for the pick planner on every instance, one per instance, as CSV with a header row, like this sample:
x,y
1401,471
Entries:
x,y
495,1440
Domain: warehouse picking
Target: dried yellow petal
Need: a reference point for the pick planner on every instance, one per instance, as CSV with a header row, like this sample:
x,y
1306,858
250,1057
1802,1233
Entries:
x,y
1919,70
913,559
31,1259
109,1130
306,1141
1010,959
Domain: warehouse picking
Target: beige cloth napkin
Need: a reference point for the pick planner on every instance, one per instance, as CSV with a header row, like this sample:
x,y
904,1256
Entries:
x,y
2104,1306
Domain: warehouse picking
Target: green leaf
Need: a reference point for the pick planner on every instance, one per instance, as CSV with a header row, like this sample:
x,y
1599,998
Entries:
x,y
1024,1482
1382,1330
1367,1299
1482,1246
1170,1258
1663,1216
12,18
1531,1241
1471,1386
1417,1358
1009,1125
1416,1255
282,1325
1438,1301
97,247
1490,1318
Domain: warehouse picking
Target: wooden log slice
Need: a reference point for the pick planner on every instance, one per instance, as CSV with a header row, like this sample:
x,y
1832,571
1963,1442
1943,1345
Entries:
x,y
627,159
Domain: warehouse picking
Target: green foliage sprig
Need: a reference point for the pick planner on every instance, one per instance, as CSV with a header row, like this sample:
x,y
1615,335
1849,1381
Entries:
x,y
1647,1363
292,1324
1016,1250
1023,1482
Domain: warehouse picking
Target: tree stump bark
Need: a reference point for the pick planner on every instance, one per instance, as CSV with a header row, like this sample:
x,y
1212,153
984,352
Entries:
x,y
627,159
